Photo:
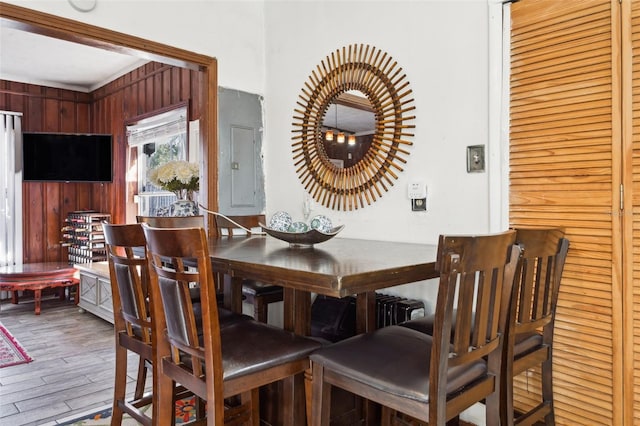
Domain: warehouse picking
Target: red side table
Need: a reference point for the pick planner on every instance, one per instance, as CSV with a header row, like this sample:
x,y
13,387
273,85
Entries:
x,y
36,277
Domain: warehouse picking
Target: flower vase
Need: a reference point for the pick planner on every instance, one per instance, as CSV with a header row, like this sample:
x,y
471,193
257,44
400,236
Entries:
x,y
184,205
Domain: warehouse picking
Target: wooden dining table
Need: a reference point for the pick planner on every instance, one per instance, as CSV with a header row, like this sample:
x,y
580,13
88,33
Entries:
x,y
339,267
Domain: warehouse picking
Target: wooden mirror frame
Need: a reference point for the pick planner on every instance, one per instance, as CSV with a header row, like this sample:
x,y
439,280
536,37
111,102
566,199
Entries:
x,y
375,74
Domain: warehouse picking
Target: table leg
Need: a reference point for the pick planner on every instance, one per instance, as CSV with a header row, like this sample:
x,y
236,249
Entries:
x,y
366,312
297,311
37,297
14,297
232,293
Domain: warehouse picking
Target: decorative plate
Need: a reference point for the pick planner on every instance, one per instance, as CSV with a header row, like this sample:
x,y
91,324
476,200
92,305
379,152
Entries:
x,y
303,239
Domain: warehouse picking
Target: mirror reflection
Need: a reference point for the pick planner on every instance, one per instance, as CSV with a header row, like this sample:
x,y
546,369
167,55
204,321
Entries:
x,y
348,128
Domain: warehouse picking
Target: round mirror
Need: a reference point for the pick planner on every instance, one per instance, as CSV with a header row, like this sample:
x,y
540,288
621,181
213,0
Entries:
x,y
348,84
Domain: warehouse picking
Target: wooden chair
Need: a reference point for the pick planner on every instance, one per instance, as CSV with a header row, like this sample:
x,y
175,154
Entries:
x,y
530,336
431,378
220,362
260,295
132,319
530,340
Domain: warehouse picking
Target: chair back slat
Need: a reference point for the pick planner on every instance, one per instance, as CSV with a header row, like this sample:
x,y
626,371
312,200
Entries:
x,y
128,269
484,312
227,226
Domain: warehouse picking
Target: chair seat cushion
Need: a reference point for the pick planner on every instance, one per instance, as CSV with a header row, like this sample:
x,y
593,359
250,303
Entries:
x,y
393,359
257,289
250,346
228,317
526,342
423,324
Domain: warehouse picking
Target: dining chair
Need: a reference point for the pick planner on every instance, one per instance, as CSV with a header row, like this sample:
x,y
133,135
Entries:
x,y
132,318
530,336
221,362
260,295
431,378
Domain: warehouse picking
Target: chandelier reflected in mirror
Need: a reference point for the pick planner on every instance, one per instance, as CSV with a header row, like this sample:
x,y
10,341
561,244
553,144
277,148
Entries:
x,y
334,132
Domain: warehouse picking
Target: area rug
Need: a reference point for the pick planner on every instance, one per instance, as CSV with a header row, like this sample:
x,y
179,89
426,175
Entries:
x,y
185,412
11,353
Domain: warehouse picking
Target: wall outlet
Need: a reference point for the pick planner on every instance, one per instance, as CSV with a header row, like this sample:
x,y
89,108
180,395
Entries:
x,y
419,204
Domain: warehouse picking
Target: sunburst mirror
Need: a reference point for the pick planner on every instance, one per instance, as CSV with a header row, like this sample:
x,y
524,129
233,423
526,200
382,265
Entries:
x,y
342,164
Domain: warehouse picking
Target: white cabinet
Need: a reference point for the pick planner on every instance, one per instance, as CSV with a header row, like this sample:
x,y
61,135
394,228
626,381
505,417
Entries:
x,y
95,289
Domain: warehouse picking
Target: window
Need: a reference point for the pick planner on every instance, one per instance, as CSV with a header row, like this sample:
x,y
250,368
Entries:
x,y
152,142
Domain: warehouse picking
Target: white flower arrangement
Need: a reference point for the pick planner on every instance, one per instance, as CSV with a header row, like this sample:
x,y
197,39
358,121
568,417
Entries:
x,y
180,177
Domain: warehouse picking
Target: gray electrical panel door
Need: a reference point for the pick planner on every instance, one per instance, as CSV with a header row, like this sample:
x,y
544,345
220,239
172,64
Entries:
x,y
241,170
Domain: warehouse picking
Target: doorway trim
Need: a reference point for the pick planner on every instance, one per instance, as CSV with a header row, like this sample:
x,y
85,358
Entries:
x,y
33,21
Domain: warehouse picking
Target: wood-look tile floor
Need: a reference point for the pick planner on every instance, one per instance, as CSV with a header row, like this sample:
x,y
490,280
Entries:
x,y
73,366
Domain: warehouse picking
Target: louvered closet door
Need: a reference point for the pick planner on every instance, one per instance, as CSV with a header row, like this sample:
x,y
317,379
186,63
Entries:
x,y
565,154
631,161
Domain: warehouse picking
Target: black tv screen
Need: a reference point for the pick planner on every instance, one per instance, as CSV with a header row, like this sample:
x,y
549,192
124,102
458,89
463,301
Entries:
x,y
66,157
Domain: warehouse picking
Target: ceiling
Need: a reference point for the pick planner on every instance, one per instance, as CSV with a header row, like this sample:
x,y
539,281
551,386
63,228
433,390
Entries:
x,y
37,59
32,58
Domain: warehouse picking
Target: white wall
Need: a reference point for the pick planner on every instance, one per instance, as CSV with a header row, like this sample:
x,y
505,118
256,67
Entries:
x,y
442,47
231,31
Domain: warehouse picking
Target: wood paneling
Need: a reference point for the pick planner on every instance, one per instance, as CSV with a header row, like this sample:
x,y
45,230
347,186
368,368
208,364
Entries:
x,y
45,205
42,109
565,171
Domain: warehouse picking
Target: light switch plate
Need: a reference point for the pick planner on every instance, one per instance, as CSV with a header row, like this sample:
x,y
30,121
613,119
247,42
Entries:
x,y
416,189
475,159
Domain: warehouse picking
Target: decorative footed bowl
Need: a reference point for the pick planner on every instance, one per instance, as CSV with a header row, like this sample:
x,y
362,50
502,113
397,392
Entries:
x,y
303,239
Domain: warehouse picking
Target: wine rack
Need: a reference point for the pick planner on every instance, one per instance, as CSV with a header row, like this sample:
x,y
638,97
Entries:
x,y
82,235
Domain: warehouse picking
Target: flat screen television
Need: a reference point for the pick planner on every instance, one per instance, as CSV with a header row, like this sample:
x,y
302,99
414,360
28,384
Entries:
x,y
66,157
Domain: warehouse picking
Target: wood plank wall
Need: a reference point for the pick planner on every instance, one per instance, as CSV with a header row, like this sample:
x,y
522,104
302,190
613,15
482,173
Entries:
x,y
151,87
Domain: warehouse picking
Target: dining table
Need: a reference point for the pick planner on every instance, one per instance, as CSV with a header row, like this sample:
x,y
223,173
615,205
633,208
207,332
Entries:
x,y
338,267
